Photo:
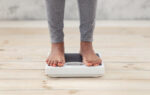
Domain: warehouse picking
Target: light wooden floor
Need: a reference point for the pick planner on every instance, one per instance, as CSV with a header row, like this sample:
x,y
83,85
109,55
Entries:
x,y
125,52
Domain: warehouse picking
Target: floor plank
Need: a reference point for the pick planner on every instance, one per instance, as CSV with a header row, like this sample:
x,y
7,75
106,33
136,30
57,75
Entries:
x,y
39,74
76,92
77,84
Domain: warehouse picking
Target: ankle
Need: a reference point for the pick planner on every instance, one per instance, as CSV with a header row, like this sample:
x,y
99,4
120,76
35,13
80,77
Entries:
x,y
84,44
58,46
86,47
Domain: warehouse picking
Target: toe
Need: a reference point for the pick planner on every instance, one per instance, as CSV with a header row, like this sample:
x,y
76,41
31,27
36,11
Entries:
x,y
100,62
96,64
46,61
88,64
52,62
60,64
49,63
55,63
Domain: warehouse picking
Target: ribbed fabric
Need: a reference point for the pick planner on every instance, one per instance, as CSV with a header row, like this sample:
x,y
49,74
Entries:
x,y
55,11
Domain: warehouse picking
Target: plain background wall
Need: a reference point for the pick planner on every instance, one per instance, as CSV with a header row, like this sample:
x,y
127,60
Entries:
x,y
107,10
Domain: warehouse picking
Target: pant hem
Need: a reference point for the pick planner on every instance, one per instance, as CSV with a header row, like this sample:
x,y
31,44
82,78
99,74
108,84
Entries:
x,y
57,41
83,40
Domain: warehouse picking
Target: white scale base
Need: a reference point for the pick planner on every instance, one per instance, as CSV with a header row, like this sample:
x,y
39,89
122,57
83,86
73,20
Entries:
x,y
75,69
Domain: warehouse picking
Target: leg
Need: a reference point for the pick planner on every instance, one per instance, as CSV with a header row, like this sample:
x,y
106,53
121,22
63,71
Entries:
x,y
87,10
55,11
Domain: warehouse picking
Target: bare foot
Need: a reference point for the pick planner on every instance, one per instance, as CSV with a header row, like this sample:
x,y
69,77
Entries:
x,y
56,57
88,54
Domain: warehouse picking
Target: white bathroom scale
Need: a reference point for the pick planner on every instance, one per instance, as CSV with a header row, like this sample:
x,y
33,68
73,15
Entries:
x,y
74,67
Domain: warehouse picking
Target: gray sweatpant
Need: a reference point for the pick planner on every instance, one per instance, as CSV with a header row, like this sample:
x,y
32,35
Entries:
x,y
55,11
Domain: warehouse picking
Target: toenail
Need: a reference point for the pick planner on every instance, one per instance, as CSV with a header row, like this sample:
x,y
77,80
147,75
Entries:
x,y
96,64
90,64
54,65
60,64
51,64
